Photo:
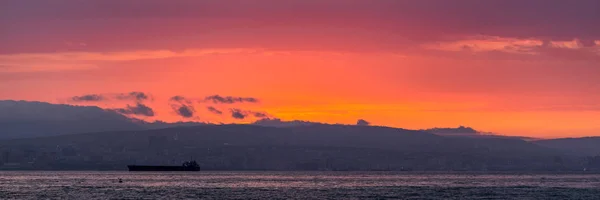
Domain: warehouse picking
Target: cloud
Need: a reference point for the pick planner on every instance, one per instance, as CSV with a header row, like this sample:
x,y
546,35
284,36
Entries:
x,y
177,98
135,96
574,49
214,110
32,66
186,111
181,100
260,114
88,98
242,114
489,43
138,96
260,23
68,60
362,122
182,106
118,55
573,44
217,99
238,114
140,109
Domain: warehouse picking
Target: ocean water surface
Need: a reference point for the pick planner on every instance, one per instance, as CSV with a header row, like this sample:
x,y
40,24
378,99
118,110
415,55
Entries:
x,y
295,185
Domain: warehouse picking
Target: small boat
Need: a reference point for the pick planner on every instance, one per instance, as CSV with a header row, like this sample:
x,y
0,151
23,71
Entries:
x,y
186,166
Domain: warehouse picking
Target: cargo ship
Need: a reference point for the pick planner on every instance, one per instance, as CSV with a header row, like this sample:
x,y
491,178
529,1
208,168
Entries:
x,y
186,166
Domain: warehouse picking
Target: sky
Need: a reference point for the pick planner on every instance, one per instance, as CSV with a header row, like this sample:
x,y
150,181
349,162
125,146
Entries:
x,y
514,67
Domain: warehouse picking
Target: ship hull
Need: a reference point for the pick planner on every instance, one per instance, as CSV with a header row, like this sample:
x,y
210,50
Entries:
x,y
161,168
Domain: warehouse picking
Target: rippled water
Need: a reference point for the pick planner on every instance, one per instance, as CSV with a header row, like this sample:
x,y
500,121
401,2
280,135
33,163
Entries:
x,y
295,185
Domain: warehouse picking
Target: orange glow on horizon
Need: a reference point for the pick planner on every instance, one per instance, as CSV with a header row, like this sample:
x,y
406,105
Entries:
x,y
408,91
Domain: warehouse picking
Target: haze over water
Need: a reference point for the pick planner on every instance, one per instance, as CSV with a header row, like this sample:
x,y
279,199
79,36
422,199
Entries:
x,y
296,185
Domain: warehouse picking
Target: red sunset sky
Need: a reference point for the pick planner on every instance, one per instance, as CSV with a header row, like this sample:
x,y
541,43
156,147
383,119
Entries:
x,y
515,67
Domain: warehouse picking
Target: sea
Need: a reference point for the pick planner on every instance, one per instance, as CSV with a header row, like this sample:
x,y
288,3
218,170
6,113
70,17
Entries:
x,y
296,185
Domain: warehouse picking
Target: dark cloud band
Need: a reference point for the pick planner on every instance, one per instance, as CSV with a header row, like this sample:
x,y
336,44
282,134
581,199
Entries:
x,y
182,106
131,96
217,99
242,114
88,98
214,110
138,96
139,109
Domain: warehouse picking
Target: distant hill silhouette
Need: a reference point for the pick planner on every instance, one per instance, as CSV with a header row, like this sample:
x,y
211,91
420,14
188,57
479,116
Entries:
x,y
51,136
314,147
21,119
589,146
274,122
461,130
31,119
